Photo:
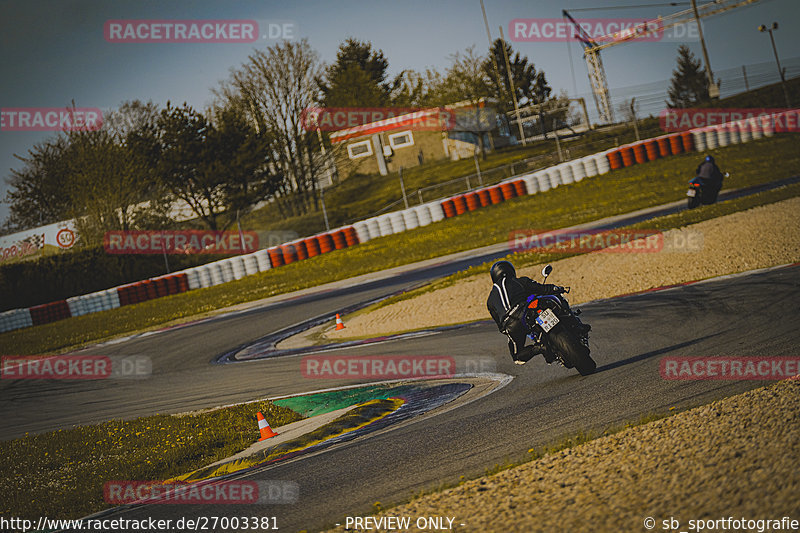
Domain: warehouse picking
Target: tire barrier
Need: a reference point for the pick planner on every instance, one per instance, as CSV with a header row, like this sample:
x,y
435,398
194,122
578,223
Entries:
x,y
204,274
449,208
712,142
325,243
397,222
723,136
300,248
745,133
687,141
603,163
589,167
473,201
351,236
531,184
275,258
362,230
733,133
555,177
237,267
262,257
508,191
543,179
193,274
495,194
767,126
437,212
651,149
615,159
484,197
49,312
250,265
664,147
628,157
289,253
675,144
640,153
577,169
410,218
460,204
339,240
15,319
699,140
423,214
385,225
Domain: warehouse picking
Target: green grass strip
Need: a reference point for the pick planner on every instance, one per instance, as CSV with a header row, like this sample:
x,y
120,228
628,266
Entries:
x,y
620,191
62,473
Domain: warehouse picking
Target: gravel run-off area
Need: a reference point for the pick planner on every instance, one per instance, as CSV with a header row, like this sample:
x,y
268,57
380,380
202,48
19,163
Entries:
x,y
757,238
735,457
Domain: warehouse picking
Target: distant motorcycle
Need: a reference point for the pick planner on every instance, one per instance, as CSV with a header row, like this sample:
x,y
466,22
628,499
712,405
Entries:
x,y
550,321
703,191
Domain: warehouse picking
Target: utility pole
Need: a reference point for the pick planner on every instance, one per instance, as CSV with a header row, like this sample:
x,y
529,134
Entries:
x,y
713,88
513,90
403,187
777,60
633,115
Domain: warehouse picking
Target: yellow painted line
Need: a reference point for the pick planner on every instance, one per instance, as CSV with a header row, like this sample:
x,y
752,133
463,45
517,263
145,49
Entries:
x,y
357,418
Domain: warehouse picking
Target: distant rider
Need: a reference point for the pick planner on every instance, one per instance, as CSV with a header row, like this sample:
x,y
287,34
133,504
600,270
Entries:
x,y
709,172
506,304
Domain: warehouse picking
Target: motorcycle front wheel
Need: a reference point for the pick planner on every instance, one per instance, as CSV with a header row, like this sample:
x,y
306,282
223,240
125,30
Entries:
x,y
573,351
693,201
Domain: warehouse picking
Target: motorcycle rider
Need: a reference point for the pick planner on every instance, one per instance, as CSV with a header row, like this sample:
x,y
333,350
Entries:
x,y
506,304
711,175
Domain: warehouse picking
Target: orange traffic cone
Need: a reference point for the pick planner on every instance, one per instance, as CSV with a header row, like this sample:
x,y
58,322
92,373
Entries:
x,y
339,323
263,426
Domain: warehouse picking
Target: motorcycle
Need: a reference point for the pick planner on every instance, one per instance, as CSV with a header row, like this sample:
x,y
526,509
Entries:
x,y
550,322
702,192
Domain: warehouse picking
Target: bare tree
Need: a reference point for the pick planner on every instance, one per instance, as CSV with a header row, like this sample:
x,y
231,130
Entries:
x,y
272,89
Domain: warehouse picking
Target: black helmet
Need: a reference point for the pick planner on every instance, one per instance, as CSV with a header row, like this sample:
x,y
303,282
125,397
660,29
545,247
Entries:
x,y
502,269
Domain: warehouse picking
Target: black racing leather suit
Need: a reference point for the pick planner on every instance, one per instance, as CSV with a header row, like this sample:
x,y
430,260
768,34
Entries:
x,y
506,304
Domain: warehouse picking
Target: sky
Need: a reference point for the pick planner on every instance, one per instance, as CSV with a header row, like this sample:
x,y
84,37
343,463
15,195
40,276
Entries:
x,y
55,52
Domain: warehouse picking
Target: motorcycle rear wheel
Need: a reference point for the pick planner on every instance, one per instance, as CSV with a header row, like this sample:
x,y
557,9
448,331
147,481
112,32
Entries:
x,y
573,351
693,201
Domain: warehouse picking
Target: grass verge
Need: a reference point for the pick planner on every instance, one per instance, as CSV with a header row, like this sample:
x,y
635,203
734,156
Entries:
x,y
62,473
618,192
664,223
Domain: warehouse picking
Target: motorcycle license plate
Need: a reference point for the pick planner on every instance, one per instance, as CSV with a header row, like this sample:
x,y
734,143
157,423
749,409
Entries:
x,y
547,320
691,192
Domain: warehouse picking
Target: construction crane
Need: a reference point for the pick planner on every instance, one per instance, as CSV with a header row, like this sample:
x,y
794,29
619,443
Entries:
x,y
592,46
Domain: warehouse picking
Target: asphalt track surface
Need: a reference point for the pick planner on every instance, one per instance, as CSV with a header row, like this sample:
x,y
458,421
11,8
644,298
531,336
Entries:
x,y
754,314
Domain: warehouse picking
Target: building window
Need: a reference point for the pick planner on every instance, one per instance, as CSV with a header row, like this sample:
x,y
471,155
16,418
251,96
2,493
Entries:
x,y
400,140
359,149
